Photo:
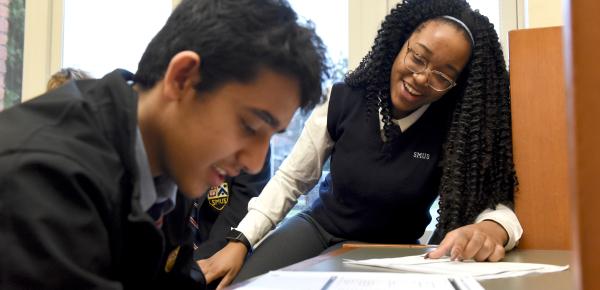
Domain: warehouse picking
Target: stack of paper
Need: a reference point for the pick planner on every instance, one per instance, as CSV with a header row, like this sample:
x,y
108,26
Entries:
x,y
292,280
479,270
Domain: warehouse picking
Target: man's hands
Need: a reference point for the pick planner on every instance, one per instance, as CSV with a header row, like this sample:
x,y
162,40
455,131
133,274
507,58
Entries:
x,y
483,241
225,263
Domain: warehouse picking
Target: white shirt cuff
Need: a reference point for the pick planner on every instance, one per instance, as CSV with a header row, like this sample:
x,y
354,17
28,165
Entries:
x,y
254,226
506,218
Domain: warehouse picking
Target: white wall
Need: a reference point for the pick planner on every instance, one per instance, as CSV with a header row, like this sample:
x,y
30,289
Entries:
x,y
365,17
544,13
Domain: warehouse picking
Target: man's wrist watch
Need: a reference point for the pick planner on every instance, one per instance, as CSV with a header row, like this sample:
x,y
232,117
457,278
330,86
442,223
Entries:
x,y
237,236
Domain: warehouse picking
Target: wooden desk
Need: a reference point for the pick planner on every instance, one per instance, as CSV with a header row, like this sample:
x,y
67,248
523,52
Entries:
x,y
553,281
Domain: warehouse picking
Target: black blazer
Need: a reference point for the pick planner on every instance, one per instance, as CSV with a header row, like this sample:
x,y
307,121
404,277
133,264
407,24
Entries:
x,y
70,216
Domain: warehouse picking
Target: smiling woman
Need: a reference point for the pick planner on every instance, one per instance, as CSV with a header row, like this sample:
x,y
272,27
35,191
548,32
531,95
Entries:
x,y
417,78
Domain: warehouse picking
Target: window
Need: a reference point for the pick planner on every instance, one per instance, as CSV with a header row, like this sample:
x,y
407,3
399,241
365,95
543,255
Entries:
x,y
333,30
102,35
102,45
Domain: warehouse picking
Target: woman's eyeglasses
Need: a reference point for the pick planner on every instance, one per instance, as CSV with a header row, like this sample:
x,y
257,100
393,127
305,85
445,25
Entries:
x,y
437,80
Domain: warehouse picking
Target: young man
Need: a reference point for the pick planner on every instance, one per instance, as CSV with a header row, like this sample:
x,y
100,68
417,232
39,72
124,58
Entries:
x,y
89,171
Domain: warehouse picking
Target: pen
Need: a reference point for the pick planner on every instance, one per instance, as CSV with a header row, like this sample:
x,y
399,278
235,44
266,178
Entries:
x,y
329,282
454,284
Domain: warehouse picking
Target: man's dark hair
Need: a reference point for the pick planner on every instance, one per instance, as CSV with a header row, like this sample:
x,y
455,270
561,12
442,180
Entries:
x,y
235,39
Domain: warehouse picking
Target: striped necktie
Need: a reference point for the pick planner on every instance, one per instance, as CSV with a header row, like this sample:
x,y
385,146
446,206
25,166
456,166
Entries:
x,y
194,222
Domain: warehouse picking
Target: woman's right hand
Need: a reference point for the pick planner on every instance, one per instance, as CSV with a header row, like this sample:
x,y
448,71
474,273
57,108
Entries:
x,y
225,263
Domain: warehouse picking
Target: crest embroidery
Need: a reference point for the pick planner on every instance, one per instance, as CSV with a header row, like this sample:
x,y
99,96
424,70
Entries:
x,y
218,196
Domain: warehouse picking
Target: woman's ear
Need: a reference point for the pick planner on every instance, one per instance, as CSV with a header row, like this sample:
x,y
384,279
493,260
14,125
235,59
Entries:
x,y
182,74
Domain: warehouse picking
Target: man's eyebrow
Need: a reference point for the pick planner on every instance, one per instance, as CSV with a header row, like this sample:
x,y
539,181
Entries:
x,y
267,118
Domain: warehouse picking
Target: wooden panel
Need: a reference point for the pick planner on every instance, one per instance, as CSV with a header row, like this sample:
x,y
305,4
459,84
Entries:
x,y
582,47
540,137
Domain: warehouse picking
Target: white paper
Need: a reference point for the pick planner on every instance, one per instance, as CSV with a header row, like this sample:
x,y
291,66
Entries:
x,y
292,280
479,270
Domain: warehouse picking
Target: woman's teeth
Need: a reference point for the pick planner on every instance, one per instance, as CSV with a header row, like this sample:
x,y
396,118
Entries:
x,y
411,90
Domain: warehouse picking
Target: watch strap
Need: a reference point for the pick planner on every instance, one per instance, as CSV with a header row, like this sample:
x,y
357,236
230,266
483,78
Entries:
x,y
235,235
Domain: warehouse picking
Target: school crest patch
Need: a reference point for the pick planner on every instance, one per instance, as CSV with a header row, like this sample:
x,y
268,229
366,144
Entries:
x,y
218,196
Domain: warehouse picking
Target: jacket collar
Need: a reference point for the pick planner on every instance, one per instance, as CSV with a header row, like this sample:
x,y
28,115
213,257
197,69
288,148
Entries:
x,y
115,103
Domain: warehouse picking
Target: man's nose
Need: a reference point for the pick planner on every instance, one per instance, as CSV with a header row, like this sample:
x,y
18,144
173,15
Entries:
x,y
252,157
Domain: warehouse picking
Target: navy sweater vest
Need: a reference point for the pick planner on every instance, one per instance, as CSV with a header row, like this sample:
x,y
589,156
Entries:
x,y
372,196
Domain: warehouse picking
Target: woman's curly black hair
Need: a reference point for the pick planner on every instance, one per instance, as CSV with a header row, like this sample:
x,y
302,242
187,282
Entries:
x,y
477,165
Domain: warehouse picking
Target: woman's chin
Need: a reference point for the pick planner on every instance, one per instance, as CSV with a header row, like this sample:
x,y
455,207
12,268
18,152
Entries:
x,y
403,106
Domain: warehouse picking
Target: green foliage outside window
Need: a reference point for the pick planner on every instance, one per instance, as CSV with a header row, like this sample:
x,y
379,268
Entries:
x,y
14,62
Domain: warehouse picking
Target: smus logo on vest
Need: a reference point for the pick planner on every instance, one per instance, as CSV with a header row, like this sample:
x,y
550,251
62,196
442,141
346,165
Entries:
x,y
421,155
